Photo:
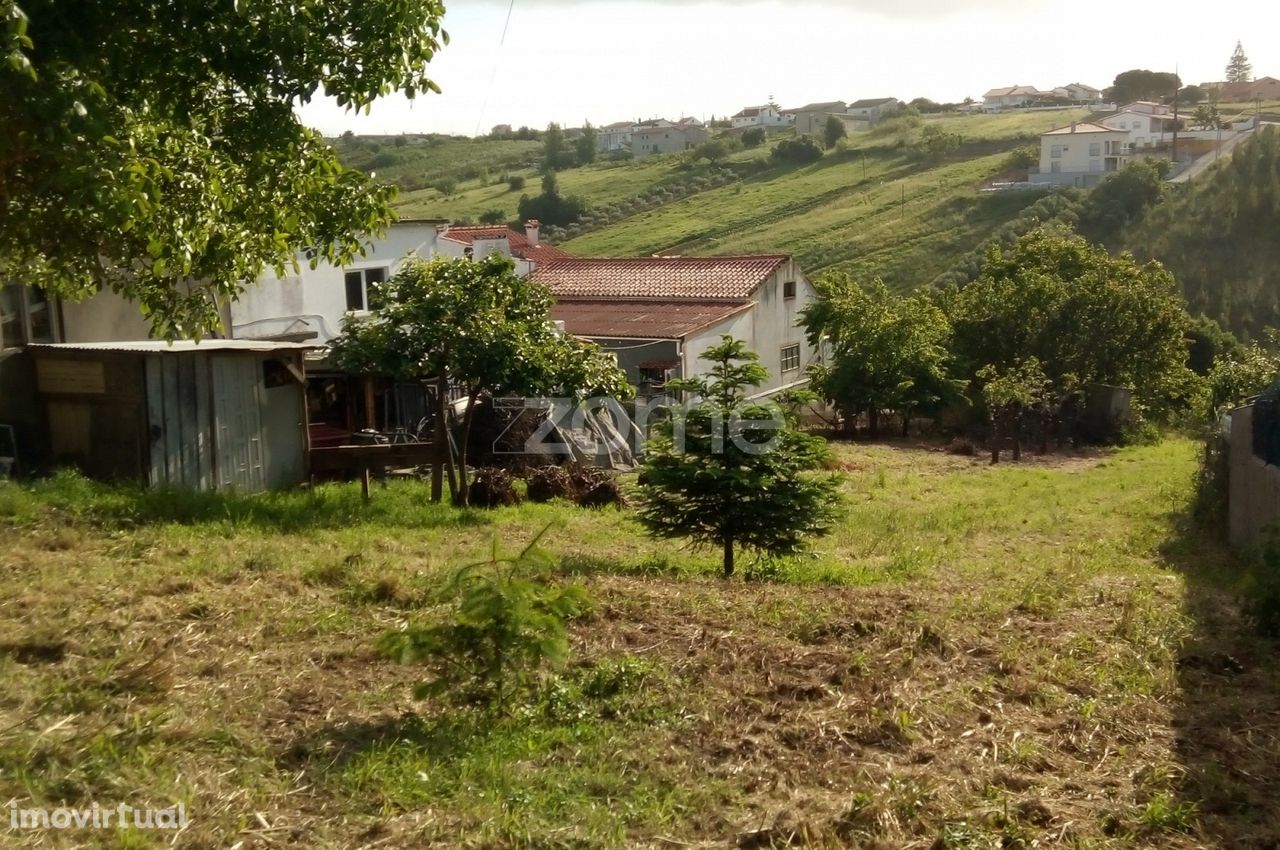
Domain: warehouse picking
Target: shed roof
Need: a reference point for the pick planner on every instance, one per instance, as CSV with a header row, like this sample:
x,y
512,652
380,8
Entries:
x,y
868,103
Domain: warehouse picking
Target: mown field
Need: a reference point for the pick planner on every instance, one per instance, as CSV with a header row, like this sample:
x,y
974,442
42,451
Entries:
x,y
978,657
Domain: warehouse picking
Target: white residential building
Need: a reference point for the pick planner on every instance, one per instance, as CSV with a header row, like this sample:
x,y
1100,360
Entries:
x,y
1081,154
659,314
1145,129
873,110
1009,97
811,119
614,137
758,116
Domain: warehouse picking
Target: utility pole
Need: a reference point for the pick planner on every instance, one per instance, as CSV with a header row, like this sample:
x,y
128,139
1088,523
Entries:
x,y
1177,82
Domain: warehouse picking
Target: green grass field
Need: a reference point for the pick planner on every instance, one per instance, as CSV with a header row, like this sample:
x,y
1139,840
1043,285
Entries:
x,y
978,657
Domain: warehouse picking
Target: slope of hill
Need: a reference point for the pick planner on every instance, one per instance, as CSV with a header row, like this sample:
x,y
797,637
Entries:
x,y
880,204
1218,236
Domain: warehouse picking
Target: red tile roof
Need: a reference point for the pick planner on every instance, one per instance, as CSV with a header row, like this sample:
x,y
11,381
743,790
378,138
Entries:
x,y
520,246
660,278
642,319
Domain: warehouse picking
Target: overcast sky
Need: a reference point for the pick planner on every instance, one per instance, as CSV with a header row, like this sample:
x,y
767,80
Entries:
x,y
605,61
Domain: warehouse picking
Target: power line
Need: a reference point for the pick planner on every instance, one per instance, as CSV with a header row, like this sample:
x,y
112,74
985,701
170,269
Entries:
x,y
493,75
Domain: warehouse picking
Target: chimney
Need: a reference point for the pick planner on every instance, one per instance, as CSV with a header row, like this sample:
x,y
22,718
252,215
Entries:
x,y
531,228
1073,126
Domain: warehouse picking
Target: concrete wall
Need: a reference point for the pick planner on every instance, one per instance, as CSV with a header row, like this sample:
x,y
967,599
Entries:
x,y
106,317
316,299
1254,486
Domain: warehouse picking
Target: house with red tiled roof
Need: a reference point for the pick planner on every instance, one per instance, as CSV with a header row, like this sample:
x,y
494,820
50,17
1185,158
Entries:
x,y
767,115
526,249
659,314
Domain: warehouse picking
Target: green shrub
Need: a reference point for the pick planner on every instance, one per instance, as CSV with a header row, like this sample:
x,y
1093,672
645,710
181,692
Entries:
x,y
516,184
505,623
802,150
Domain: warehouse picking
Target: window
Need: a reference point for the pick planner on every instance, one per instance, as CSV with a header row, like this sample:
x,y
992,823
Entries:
x,y
790,357
1055,168
1095,149
359,283
1055,152
789,289
26,315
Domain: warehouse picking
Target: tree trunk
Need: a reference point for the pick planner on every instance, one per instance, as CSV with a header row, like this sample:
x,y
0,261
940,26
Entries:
x,y
728,557
464,493
441,438
906,424
873,422
1017,437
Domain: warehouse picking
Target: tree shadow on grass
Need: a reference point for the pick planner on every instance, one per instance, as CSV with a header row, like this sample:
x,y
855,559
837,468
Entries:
x,y
1227,723
399,504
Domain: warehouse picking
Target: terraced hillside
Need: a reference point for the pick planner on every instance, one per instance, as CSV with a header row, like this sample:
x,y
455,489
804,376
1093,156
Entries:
x,y
879,204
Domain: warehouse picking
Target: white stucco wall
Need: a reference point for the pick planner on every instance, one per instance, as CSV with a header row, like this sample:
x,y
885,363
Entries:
x,y
106,317
769,326
1077,151
316,299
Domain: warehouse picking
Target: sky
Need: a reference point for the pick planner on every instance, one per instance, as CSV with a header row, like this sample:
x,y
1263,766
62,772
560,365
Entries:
x,y
599,60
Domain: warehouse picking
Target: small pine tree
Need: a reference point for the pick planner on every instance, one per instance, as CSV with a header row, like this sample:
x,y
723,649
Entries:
x,y
729,472
1239,70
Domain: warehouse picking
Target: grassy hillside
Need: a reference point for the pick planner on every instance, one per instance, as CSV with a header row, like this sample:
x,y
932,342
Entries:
x,y
1218,236
874,206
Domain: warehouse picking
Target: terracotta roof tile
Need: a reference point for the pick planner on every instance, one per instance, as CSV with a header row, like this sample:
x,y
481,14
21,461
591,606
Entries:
x,y
660,278
642,319
520,246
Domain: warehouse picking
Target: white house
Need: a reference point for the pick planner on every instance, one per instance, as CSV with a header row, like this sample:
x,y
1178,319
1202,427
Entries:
x,y
659,314
1081,154
874,109
614,137
758,116
1079,93
1145,129
1009,97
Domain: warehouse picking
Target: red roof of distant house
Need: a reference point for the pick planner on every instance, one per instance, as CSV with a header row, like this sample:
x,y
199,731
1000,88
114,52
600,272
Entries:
x,y
520,246
660,278
642,319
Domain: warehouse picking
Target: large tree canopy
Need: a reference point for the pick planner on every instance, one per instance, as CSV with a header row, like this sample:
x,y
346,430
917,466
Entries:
x,y
150,146
1084,315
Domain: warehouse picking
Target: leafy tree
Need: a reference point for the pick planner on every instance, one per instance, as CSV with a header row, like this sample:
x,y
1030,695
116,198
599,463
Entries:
x,y
1141,84
1207,117
585,145
936,143
1208,342
494,216
712,151
1122,199
504,623
516,183
553,148
1239,375
753,137
1008,395
401,140
728,472
477,325
151,148
1084,315
551,207
1238,69
888,352
801,151
446,186
833,132
1192,95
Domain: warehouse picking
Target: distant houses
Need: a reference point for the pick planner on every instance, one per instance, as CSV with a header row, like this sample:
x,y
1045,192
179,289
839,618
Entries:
x,y
872,110
811,119
1081,154
1263,88
766,116
659,137
1025,97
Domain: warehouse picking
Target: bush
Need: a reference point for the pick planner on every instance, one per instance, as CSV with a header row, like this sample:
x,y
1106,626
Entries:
x,y
801,151
494,216
515,184
505,624
595,488
446,186
753,138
